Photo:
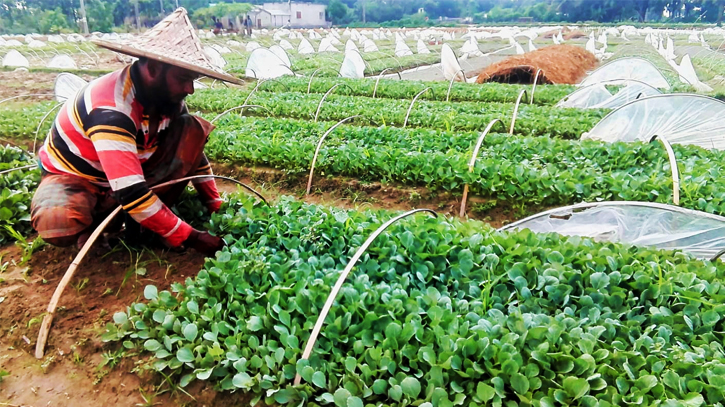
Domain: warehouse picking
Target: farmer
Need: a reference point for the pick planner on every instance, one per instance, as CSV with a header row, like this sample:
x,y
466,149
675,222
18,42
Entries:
x,y
248,25
125,132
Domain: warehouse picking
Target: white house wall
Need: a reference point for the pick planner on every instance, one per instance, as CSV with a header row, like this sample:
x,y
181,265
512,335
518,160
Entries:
x,y
302,15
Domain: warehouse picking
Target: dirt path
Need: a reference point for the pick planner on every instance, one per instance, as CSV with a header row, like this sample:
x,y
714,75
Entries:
x,y
78,368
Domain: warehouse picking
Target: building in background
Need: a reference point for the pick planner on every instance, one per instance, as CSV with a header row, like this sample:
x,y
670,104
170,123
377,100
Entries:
x,y
290,15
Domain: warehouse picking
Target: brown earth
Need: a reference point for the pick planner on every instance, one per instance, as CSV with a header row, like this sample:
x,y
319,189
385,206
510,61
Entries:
x,y
16,83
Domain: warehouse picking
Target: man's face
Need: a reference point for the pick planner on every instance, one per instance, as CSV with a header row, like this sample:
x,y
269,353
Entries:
x,y
179,83
171,84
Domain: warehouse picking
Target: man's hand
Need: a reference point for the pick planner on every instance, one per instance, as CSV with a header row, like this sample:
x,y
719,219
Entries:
x,y
204,243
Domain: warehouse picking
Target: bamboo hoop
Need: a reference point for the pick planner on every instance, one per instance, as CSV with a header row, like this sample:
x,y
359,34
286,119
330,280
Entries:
x,y
246,100
375,90
25,96
309,84
516,110
673,168
37,130
317,150
24,167
472,163
319,105
533,88
717,255
343,276
412,102
48,318
235,108
453,79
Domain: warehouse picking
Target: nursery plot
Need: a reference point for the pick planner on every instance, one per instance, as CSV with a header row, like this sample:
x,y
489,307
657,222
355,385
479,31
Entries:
x,y
637,223
415,323
461,116
439,311
679,118
394,89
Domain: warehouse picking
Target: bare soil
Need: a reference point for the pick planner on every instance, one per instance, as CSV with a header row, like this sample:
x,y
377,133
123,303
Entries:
x,y
71,374
16,83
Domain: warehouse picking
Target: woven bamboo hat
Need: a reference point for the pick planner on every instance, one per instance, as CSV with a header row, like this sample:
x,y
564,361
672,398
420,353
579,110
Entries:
x,y
172,41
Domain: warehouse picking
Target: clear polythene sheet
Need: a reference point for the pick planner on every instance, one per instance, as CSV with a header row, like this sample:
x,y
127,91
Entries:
x,y
598,97
67,85
680,118
638,223
628,68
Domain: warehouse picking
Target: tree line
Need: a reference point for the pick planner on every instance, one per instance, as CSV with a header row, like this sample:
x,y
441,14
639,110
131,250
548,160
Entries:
x,y
495,11
55,16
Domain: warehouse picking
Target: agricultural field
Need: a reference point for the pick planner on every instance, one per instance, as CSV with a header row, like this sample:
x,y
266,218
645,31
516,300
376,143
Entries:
x,y
441,308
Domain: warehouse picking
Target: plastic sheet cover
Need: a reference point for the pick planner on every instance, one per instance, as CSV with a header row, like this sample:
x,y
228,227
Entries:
x,y
353,65
281,54
285,44
350,46
450,65
264,64
688,75
67,85
62,61
422,48
305,47
402,49
638,223
326,46
15,59
369,46
215,57
597,96
680,118
628,68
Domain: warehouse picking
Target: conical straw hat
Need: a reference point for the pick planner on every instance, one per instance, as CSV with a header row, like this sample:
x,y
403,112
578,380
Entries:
x,y
174,42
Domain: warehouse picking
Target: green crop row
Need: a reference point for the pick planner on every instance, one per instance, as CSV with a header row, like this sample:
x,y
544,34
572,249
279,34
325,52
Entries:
x,y
16,192
20,120
376,62
437,313
458,116
394,89
530,170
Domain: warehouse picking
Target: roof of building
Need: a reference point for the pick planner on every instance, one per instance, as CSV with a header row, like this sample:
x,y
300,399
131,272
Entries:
x,y
278,12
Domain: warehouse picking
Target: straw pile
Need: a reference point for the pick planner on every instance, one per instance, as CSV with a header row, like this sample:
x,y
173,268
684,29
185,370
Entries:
x,y
572,35
559,64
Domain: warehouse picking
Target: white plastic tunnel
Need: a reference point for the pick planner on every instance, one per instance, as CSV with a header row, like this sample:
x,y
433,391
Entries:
x,y
680,118
626,69
644,224
598,96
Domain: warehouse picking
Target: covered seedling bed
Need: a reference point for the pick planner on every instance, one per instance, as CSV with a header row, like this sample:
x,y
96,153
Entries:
x,y
623,69
679,118
599,96
642,224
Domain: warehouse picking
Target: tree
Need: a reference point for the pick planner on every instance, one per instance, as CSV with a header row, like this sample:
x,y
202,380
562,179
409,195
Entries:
x,y
100,15
52,21
203,16
337,12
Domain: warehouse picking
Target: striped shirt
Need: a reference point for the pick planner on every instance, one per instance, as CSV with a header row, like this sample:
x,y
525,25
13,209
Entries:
x,y
104,136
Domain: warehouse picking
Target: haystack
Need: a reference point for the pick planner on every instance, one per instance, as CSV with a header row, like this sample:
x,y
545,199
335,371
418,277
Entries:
x,y
559,64
574,34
